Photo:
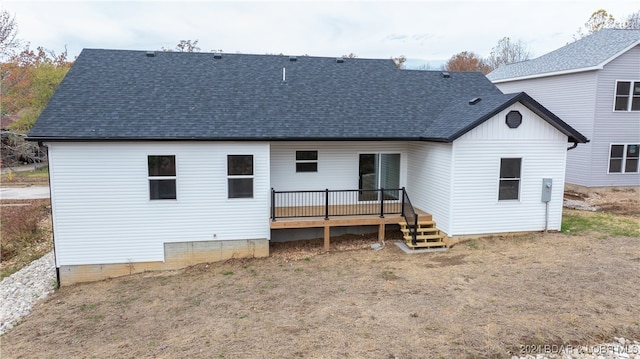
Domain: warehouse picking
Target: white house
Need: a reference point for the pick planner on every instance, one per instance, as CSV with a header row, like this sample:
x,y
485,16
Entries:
x,y
160,160
594,85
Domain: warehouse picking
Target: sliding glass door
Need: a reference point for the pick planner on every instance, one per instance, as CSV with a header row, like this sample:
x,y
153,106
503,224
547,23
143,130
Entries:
x,y
379,170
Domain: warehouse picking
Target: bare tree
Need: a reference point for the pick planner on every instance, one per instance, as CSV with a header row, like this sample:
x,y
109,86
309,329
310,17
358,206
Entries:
x,y
467,61
426,67
633,21
185,46
506,52
8,34
601,19
400,60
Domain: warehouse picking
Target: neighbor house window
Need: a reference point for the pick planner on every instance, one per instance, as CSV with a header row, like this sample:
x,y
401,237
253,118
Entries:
x,y
162,177
509,187
306,161
240,176
627,96
624,158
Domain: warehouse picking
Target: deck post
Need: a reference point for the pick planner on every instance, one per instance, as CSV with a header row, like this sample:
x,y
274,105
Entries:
x,y
327,237
326,204
381,232
381,202
273,205
402,206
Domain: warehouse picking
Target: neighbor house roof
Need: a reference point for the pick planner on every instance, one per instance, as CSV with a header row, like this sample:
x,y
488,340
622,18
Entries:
x,y
138,95
592,52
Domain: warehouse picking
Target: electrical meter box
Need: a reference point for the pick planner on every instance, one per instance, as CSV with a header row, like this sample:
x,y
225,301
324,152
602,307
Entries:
x,y
547,185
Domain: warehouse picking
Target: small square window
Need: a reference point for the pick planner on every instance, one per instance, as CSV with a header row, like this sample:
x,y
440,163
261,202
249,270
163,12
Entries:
x,y
240,187
162,189
239,165
306,161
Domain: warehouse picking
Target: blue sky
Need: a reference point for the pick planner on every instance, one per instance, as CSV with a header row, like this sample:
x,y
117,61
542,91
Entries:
x,y
424,31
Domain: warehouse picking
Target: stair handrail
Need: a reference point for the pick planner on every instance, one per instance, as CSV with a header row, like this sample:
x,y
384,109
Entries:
x,y
410,215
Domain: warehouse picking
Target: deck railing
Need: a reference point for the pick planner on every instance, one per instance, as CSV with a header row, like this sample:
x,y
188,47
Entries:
x,y
410,216
327,203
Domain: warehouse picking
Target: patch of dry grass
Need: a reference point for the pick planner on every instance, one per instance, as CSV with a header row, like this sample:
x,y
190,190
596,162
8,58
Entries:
x,y
25,233
481,301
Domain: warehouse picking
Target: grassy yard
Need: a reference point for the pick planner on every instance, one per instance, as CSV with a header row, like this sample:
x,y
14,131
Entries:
x,y
39,176
484,298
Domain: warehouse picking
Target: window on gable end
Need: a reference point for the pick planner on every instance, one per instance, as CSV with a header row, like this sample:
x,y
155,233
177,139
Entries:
x,y
509,187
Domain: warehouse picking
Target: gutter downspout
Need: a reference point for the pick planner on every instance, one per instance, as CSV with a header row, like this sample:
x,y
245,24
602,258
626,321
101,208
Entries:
x,y
575,144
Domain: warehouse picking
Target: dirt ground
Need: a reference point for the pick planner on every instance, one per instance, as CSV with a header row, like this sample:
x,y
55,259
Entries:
x,y
483,298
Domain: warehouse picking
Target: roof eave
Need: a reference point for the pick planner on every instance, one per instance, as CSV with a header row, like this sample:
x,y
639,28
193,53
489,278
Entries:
x,y
212,139
572,134
549,74
599,66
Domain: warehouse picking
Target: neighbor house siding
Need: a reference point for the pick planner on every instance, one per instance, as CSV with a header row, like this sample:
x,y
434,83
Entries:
x,y
101,207
337,164
614,126
572,97
429,180
476,159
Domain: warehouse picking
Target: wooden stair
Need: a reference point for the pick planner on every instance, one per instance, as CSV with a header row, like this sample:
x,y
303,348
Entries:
x,y
427,235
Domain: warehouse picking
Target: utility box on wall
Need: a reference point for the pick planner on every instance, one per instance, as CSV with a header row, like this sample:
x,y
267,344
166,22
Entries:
x,y
547,186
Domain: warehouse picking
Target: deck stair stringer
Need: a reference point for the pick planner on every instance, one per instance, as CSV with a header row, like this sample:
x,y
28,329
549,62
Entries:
x,y
427,235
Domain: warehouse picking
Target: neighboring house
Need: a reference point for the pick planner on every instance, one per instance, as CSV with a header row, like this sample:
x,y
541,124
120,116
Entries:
x,y
161,159
594,85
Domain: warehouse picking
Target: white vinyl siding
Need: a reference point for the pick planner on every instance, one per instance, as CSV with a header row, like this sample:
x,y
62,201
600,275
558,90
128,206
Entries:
x,y
430,171
476,160
572,97
337,164
102,212
585,100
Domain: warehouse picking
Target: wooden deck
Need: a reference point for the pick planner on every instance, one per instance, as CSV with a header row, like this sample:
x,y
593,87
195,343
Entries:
x,y
337,221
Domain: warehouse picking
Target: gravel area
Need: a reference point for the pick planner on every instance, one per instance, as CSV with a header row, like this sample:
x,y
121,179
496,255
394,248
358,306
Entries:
x,y
20,291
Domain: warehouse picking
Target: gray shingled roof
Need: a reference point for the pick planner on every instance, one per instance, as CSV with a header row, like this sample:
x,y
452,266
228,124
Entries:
x,y
589,53
127,95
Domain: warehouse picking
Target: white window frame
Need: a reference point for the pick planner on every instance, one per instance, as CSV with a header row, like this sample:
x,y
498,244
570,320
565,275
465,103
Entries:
x,y
519,179
251,176
158,178
630,96
623,165
316,161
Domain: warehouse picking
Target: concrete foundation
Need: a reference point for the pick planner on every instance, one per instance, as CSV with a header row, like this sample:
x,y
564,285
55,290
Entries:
x,y
177,255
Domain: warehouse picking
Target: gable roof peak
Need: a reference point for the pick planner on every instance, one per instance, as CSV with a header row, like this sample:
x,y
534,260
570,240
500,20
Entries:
x,y
589,53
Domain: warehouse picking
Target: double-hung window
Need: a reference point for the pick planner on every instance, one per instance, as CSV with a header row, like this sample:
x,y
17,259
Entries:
x,y
162,177
509,187
306,161
627,96
240,176
624,158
